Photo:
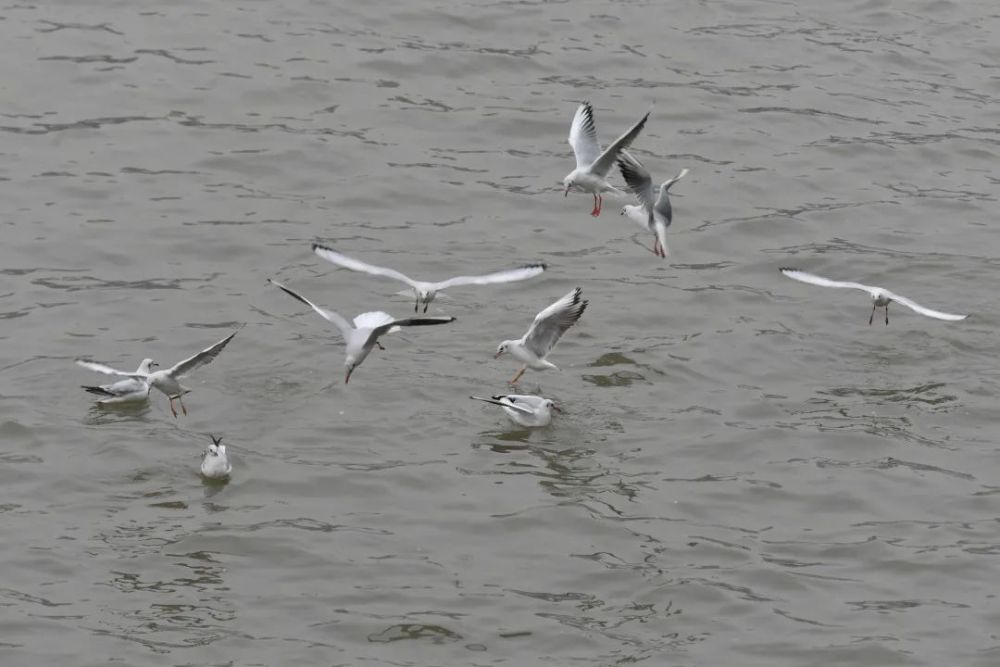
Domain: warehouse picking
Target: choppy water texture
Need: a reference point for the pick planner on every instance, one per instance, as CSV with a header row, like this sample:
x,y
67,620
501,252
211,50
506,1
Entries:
x,y
746,472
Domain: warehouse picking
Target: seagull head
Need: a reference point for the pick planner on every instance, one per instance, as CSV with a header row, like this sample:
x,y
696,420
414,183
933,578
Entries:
x,y
623,211
146,365
503,347
550,404
568,184
350,365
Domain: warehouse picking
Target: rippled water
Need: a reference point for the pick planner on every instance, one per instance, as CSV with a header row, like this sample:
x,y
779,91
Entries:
x,y
746,472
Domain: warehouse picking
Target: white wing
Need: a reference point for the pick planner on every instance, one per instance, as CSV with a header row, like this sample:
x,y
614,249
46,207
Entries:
x,y
200,359
552,323
331,255
510,405
909,303
662,207
107,370
506,276
602,165
345,327
813,279
141,393
637,179
583,136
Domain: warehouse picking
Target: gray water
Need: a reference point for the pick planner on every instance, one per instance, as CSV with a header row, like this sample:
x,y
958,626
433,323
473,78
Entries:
x,y
746,472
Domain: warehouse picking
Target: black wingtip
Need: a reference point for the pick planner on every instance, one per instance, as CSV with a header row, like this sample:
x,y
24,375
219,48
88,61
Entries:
x,y
215,441
783,269
96,390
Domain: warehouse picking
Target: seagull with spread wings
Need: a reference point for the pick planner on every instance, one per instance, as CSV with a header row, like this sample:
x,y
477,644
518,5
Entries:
x,y
592,165
362,336
543,334
167,379
654,212
881,297
426,291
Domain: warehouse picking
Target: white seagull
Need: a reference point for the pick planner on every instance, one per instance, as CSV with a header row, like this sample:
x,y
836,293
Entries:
x,y
166,380
426,291
543,334
592,166
880,296
363,336
128,390
654,212
524,410
216,464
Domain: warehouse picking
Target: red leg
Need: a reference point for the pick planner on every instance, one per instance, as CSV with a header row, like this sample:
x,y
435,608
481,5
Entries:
x,y
172,408
600,203
519,374
596,211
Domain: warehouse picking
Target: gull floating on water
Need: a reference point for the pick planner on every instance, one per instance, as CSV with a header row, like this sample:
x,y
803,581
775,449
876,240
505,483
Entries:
x,y
129,390
592,166
880,296
543,334
166,380
524,410
426,291
363,336
654,213
216,464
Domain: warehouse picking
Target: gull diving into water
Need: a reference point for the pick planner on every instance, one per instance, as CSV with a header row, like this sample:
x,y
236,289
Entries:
x,y
129,390
881,297
592,166
524,410
654,212
216,464
363,335
426,291
543,334
167,380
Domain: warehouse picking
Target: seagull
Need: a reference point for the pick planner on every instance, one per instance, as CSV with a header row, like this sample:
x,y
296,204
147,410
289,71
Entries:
x,y
425,291
166,380
543,334
654,212
365,332
592,166
524,410
216,464
881,296
125,391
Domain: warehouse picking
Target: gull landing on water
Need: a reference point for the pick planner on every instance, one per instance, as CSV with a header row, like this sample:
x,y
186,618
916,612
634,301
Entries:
x,y
363,336
654,212
880,296
166,380
426,291
216,464
592,166
129,390
543,334
525,410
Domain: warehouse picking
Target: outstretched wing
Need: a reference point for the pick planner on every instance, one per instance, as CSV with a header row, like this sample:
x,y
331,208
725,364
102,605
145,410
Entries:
x,y
910,303
662,207
505,276
583,136
638,180
813,279
512,406
552,323
331,255
409,322
345,327
200,359
107,370
602,165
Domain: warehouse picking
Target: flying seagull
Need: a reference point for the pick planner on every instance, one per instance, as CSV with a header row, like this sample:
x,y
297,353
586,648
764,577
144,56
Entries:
x,y
167,380
654,212
425,292
543,334
363,335
880,296
592,166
